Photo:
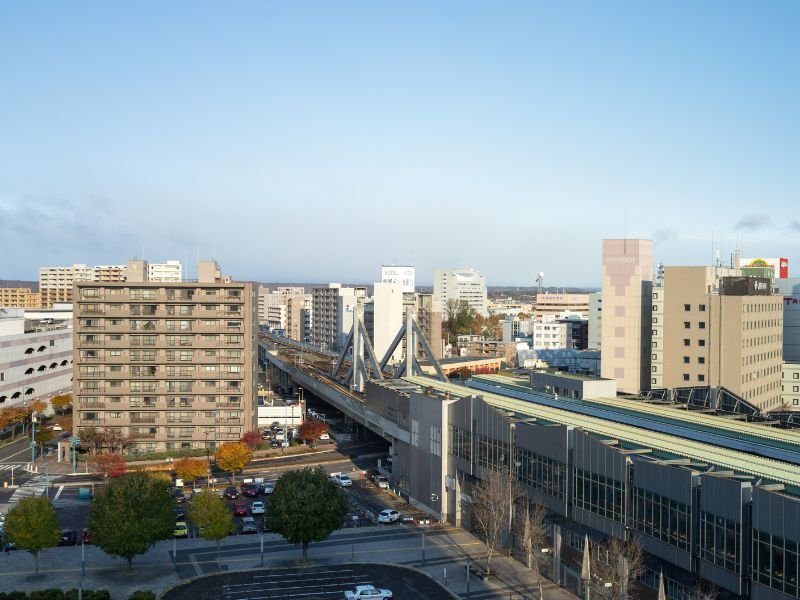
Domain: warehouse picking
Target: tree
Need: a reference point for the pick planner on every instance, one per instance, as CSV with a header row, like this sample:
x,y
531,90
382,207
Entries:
x,y
311,429
492,499
251,439
210,515
618,562
38,406
110,465
130,514
703,591
306,507
61,403
460,319
190,469
44,436
33,526
13,416
532,535
233,456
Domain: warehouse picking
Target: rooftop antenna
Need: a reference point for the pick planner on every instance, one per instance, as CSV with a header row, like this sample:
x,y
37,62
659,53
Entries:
x,y
540,281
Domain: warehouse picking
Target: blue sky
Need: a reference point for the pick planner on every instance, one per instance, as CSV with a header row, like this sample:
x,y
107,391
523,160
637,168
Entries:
x,y
315,141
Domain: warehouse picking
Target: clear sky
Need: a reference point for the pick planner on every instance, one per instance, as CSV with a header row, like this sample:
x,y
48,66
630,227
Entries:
x,y
314,141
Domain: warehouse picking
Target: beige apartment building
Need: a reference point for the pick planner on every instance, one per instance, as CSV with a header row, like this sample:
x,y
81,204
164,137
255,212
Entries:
x,y
19,298
170,365
713,327
625,326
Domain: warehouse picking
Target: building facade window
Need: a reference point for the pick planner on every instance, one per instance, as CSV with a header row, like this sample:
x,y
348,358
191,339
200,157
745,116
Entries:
x,y
461,443
600,495
775,562
662,518
542,473
720,541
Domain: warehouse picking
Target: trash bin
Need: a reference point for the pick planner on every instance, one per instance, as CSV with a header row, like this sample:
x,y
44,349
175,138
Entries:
x,y
84,493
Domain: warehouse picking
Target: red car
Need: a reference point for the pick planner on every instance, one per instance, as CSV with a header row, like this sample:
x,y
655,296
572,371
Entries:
x,y
250,490
240,509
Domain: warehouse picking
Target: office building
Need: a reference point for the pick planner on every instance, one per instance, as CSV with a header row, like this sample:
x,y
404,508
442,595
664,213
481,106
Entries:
x,y
553,304
713,327
170,365
464,284
387,318
405,276
625,333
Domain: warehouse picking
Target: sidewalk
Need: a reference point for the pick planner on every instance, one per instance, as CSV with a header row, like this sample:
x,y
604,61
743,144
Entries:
x,y
61,567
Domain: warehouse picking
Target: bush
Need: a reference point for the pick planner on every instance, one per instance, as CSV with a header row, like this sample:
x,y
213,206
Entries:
x,y
51,594
142,595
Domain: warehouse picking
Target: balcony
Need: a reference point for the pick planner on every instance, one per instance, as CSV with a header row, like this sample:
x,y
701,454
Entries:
x,y
142,435
143,420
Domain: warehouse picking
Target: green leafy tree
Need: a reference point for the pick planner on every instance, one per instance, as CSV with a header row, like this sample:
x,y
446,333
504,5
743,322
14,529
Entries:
x,y
306,507
33,526
130,514
212,518
460,319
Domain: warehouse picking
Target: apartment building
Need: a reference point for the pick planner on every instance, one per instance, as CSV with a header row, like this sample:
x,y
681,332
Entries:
x,y
333,308
55,283
19,298
428,315
713,327
463,284
298,316
170,271
595,320
172,365
625,330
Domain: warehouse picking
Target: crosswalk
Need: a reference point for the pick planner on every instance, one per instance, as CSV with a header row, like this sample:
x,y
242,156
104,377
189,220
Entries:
x,y
33,487
9,466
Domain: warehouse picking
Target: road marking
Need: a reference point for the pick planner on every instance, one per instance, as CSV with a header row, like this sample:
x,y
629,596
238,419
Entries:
x,y
58,493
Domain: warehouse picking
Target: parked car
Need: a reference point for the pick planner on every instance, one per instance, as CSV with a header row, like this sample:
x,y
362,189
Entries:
x,y
231,493
69,537
382,482
250,490
257,508
178,494
240,509
180,514
181,529
248,525
341,479
267,488
388,515
56,427
367,591
325,437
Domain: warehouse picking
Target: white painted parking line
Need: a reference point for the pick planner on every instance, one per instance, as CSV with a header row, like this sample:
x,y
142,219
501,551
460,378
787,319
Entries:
x,y
58,493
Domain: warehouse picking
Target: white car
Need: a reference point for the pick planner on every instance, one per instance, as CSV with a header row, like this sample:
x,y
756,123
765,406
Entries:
x,y
342,479
367,591
382,482
257,508
388,515
56,427
325,437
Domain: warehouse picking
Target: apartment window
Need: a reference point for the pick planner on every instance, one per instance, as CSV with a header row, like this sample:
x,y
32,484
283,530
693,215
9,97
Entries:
x,y
701,377
654,369
655,320
115,415
686,377
687,307
234,353
115,337
685,342
702,308
701,342
795,388
115,368
795,375
655,356
686,325
209,338
701,360
702,324
655,296
654,381
115,353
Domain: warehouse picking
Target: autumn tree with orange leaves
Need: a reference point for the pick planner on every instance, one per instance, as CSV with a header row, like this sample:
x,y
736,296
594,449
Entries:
x,y
233,456
190,469
311,429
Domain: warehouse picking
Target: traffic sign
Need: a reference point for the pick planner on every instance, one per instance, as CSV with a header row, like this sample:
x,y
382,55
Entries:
x,y
74,440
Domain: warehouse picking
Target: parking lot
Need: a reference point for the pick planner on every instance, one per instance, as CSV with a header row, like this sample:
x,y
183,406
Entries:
x,y
310,583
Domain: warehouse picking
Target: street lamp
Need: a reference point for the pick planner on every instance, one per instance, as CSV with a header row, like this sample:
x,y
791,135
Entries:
x,y
33,437
208,458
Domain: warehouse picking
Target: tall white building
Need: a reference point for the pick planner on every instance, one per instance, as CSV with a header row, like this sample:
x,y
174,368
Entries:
x,y
387,317
463,284
404,275
333,308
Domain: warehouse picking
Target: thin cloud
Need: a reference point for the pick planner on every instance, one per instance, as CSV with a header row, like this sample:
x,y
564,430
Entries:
x,y
664,234
753,222
795,226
